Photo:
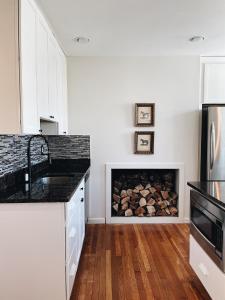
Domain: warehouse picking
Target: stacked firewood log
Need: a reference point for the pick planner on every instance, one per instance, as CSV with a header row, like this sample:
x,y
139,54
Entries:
x,y
150,199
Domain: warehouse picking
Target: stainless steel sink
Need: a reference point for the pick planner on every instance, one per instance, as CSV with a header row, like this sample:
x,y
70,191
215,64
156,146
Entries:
x,y
56,179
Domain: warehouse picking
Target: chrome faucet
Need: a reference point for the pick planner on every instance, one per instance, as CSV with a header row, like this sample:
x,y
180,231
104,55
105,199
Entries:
x,y
28,176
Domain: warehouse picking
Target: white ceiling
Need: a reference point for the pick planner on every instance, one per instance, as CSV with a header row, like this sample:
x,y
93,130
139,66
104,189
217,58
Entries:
x,y
138,27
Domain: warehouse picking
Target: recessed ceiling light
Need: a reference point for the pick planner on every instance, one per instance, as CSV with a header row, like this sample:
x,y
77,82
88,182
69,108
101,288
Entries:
x,y
197,38
81,40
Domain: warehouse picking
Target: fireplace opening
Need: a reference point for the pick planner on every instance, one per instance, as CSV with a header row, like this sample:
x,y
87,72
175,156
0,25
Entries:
x,y
144,192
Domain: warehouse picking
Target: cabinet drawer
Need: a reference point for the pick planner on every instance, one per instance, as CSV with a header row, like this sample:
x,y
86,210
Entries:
x,y
74,221
71,207
81,188
72,240
72,230
77,197
210,275
71,272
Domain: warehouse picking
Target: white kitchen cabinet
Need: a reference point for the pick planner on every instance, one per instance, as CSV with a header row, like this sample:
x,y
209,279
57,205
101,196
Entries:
x,y
62,93
75,215
29,91
52,79
48,239
210,275
28,46
213,80
75,234
214,83
65,97
42,69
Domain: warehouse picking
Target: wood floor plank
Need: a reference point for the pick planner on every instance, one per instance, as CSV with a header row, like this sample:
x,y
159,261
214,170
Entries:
x,y
142,249
117,241
153,276
137,262
129,266
108,275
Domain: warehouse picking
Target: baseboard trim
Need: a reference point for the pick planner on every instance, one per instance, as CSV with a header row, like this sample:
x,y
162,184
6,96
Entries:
x,y
186,220
96,220
146,220
136,220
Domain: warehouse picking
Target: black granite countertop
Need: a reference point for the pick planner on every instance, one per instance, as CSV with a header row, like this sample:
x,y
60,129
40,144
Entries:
x,y
214,191
66,174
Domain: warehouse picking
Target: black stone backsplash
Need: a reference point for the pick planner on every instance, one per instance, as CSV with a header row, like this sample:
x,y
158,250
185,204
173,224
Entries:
x,y
13,150
69,146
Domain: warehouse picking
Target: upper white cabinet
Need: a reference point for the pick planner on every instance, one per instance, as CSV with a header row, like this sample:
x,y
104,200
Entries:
x,y
47,73
52,79
32,67
62,93
213,80
28,68
42,69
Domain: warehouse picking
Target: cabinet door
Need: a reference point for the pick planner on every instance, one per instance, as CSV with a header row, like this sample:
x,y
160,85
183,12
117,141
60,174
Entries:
x,y
72,228
52,79
81,216
72,240
65,97
207,271
30,122
75,231
42,69
214,83
62,93
78,221
82,223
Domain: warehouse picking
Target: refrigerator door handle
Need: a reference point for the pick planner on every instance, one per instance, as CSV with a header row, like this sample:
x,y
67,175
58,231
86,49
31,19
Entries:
x,y
212,145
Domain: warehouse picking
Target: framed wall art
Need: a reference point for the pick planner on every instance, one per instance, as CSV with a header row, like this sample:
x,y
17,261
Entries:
x,y
144,114
144,142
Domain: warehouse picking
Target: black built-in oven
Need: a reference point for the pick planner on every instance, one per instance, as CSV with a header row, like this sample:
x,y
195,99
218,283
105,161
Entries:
x,y
208,227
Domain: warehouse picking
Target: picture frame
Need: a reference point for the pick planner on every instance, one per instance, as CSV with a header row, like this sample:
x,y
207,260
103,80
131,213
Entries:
x,y
144,142
145,114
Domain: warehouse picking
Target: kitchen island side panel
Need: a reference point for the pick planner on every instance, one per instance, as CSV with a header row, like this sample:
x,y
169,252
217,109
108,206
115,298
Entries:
x,y
32,255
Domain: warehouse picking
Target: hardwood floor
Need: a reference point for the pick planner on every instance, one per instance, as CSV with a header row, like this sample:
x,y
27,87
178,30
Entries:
x,y
136,262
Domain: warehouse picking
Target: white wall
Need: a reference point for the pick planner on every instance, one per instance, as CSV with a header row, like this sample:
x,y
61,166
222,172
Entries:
x,y
9,70
102,93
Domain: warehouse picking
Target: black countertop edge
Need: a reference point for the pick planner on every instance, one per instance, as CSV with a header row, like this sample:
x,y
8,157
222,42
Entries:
x,y
42,192
203,187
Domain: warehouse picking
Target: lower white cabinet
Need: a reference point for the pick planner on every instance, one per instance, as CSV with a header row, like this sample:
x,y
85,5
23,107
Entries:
x,y
75,231
40,248
210,275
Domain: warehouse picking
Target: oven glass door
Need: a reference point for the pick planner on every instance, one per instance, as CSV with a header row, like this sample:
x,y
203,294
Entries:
x,y
208,225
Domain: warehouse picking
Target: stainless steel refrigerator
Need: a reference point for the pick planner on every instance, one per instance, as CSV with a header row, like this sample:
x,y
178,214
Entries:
x,y
213,142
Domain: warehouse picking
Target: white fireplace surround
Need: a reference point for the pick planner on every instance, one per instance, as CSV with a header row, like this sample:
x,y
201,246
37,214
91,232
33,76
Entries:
x,y
129,220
